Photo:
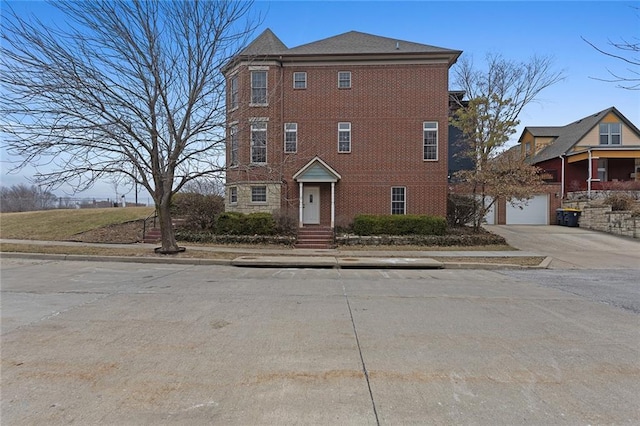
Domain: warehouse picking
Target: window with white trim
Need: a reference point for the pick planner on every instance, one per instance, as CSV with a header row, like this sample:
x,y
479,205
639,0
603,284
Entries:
x,y
234,92
258,194
344,137
234,145
259,142
299,80
602,169
610,133
344,79
259,87
290,137
398,200
430,140
233,195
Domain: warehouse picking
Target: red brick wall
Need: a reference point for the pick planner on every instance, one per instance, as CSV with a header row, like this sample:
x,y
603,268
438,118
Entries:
x,y
386,106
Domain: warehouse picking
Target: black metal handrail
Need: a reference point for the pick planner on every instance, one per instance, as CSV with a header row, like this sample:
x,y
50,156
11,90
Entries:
x,y
153,215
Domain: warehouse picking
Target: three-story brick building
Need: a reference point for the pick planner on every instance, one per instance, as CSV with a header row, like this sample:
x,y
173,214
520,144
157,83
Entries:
x,y
351,124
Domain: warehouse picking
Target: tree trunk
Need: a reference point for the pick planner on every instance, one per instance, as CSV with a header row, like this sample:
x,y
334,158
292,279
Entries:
x,y
169,244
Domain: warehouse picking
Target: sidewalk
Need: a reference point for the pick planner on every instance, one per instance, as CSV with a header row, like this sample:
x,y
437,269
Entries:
x,y
297,258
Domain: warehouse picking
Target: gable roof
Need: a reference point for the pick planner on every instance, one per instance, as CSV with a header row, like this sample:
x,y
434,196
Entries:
x,y
317,170
569,135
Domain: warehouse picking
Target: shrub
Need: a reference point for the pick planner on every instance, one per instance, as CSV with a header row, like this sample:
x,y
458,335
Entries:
x,y
230,223
199,211
399,225
233,223
461,209
286,222
620,202
259,224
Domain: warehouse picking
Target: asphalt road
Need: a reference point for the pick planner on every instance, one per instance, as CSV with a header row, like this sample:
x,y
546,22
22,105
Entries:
x,y
129,344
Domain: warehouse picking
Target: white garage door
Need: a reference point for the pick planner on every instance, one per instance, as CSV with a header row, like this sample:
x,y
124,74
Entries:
x,y
535,212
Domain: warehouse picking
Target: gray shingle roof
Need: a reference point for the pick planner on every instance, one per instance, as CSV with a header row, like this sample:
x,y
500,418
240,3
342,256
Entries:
x,y
265,44
350,43
354,42
569,135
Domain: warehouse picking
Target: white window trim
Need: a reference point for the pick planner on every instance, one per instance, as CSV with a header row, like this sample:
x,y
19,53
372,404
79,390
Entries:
x,y
610,134
266,88
437,130
232,190
285,137
237,92
234,126
350,137
266,194
305,80
404,201
344,72
266,130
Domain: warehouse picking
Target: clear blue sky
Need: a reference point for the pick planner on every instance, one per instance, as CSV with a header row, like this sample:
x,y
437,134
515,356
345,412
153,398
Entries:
x,y
516,29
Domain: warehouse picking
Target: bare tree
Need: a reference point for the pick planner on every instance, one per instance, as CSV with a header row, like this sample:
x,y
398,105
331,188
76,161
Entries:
x,y
629,53
497,96
129,88
23,198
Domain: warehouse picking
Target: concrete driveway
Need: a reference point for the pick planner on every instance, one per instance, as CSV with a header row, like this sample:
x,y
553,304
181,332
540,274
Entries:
x,y
100,343
573,248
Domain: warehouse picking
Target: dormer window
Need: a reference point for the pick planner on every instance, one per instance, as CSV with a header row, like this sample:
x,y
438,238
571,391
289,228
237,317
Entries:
x,y
527,149
610,133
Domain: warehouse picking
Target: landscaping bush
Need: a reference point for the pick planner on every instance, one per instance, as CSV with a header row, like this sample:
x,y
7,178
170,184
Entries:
x,y
259,224
399,225
232,223
199,211
620,202
286,223
461,209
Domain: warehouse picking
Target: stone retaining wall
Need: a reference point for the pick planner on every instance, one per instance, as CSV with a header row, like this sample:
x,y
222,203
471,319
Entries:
x,y
601,218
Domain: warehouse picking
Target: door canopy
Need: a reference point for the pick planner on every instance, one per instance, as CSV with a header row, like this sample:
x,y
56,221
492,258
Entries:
x,y
316,171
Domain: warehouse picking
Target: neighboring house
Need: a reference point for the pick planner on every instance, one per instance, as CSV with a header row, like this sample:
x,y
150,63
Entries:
x,y
354,123
589,154
601,151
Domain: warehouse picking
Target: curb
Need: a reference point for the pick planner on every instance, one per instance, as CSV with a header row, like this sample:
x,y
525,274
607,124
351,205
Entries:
x,y
125,259
287,261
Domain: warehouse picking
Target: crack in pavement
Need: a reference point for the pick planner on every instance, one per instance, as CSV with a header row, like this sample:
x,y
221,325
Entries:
x,y
364,366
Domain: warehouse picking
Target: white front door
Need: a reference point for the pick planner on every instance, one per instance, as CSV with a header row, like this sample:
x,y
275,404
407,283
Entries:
x,y
311,205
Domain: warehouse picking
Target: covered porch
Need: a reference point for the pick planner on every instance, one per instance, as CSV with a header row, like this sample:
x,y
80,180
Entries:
x,y
317,193
602,169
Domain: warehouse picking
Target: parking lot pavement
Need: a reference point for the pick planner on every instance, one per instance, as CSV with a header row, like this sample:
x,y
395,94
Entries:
x,y
116,343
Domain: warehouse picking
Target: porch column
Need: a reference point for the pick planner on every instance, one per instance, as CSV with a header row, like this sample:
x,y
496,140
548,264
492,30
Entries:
x,y
333,204
300,200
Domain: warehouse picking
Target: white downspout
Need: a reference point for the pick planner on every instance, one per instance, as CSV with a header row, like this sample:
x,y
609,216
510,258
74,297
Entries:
x,y
589,179
562,178
300,184
333,204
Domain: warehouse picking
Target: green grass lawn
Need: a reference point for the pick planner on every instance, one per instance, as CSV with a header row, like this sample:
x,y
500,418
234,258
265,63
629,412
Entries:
x,y
62,224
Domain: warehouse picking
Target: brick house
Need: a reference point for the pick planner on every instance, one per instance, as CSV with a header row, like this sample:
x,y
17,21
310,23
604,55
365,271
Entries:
x,y
354,123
